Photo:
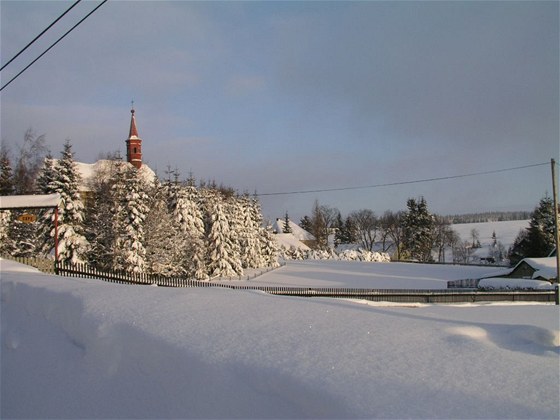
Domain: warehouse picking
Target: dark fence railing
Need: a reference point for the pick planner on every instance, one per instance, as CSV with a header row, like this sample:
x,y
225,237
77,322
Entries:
x,y
375,295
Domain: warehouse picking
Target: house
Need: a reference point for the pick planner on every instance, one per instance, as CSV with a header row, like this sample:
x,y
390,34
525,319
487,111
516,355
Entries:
x,y
299,238
535,268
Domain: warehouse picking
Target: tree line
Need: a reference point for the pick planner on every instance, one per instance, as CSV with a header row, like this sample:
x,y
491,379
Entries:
x,y
417,234
126,221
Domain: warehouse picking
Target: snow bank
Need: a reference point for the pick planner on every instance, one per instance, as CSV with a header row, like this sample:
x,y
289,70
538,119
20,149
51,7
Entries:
x,y
514,284
78,348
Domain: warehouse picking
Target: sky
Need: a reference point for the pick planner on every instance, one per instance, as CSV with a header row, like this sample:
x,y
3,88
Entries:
x,y
301,96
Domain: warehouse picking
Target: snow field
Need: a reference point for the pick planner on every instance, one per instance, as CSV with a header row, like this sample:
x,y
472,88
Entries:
x,y
83,348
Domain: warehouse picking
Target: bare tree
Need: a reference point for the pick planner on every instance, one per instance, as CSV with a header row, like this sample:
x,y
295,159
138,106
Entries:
x,y
367,227
29,162
322,221
394,226
475,236
443,236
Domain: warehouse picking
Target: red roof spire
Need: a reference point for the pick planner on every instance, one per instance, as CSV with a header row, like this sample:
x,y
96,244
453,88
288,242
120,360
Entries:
x,y
133,130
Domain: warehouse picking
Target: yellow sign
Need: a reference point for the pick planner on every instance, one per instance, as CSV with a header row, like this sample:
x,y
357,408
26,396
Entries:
x,y
27,218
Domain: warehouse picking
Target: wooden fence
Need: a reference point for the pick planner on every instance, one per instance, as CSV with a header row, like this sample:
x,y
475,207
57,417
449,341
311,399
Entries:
x,y
46,265
375,295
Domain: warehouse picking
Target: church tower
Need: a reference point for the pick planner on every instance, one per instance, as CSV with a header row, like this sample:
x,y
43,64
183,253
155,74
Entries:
x,y
134,144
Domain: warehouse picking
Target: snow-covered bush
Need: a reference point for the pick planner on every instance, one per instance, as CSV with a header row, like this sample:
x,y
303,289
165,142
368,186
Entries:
x,y
294,253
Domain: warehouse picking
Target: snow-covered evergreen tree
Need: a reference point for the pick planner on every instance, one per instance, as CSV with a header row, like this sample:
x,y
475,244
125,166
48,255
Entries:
x,y
184,204
287,228
100,220
6,173
419,230
164,243
222,258
46,183
268,246
249,234
538,239
72,244
6,243
62,177
130,211
6,188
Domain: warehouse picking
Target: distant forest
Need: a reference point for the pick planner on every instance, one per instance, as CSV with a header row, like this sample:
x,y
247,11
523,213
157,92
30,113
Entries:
x,y
493,216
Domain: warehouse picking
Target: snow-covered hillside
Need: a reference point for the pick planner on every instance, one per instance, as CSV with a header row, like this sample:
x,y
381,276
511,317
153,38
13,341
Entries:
x,y
77,348
506,231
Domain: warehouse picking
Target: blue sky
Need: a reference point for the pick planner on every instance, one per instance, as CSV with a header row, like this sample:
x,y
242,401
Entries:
x,y
289,96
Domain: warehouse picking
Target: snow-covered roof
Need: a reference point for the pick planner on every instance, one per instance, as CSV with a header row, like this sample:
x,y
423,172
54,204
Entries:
x,y
544,267
29,201
298,232
89,170
288,240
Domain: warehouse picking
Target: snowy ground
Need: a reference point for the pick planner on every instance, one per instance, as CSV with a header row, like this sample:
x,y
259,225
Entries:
x,y
78,348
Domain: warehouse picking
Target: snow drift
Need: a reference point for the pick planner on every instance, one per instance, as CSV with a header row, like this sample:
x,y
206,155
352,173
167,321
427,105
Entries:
x,y
79,348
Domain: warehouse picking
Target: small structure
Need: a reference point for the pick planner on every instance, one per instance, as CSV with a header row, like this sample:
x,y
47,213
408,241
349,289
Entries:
x,y
306,239
24,202
535,268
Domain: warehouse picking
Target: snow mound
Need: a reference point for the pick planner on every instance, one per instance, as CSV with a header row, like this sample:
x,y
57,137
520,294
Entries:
x,y
81,348
508,283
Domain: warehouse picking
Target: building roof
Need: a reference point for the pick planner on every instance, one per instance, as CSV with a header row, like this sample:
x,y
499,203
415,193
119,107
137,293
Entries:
x,y
543,267
29,201
298,232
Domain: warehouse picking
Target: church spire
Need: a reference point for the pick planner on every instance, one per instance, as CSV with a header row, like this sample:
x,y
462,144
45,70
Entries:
x,y
133,129
134,143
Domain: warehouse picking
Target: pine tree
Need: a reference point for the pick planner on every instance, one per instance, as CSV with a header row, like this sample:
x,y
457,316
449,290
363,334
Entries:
x,y
249,234
268,246
305,224
72,244
6,173
6,188
130,211
419,230
340,236
287,227
46,183
538,239
222,261
99,217
164,243
185,207
6,243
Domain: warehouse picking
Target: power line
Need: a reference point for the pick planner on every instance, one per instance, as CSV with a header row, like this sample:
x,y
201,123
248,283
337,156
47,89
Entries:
x,y
56,42
40,35
417,181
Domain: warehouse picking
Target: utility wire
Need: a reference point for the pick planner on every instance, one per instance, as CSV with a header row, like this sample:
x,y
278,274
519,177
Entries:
x,y
391,184
40,35
56,42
